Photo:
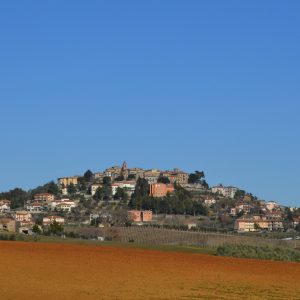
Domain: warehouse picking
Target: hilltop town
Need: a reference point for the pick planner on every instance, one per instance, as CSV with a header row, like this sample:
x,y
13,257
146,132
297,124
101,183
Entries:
x,y
121,196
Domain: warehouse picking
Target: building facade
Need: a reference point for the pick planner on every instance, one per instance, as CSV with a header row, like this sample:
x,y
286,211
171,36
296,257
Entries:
x,y
160,189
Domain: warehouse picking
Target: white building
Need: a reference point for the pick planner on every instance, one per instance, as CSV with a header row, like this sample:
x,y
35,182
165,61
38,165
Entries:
x,y
209,201
226,191
270,205
35,207
50,219
94,188
4,206
63,205
129,186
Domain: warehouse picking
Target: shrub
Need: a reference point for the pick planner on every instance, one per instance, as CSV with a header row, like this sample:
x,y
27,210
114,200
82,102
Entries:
x,y
259,252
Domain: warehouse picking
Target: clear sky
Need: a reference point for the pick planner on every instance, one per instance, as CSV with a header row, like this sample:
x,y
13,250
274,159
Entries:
x,y
199,85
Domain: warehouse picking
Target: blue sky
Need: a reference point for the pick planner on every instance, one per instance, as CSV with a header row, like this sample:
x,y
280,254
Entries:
x,y
206,85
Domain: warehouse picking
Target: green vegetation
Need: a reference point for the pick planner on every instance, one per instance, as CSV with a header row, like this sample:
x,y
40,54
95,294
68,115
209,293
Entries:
x,y
18,237
180,202
163,179
17,196
259,252
198,177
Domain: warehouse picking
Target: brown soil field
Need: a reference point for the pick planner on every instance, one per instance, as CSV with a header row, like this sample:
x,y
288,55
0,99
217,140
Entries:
x,y
68,271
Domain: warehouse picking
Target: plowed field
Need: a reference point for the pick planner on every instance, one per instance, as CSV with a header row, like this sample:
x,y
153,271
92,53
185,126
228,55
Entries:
x,y
67,271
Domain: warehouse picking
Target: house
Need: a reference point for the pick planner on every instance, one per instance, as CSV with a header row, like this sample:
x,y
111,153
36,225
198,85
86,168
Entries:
x,y
113,172
35,207
246,208
45,197
98,176
7,224
23,216
129,186
270,205
24,220
256,223
160,189
176,175
233,211
66,181
62,205
140,215
151,175
209,201
50,219
296,221
4,206
226,191
94,188
251,224
136,172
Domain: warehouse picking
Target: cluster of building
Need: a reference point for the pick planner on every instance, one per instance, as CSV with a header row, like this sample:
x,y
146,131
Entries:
x,y
47,202
23,222
123,177
248,215
271,217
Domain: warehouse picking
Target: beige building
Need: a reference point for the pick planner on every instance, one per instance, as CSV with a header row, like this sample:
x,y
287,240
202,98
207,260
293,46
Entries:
x,y
98,176
23,216
178,176
137,172
113,172
66,181
45,197
7,224
151,175
256,223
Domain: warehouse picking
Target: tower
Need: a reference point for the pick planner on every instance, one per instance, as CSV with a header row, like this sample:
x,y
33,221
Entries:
x,y
124,170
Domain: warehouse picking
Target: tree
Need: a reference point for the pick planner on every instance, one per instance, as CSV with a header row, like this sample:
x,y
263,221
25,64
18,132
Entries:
x,y
99,194
121,194
50,187
120,178
88,176
104,192
196,177
256,226
106,180
141,191
240,194
71,189
82,184
107,192
163,179
17,196
56,228
36,229
289,214
142,188
131,176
